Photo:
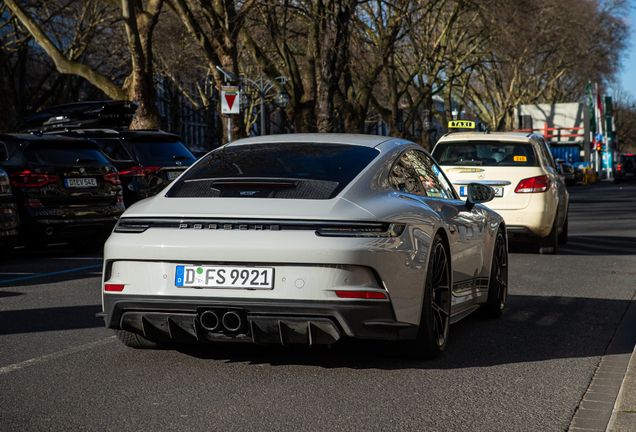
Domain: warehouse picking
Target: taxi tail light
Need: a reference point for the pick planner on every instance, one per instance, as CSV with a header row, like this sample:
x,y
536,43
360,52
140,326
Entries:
x,y
618,168
139,171
361,294
29,179
112,178
533,185
113,287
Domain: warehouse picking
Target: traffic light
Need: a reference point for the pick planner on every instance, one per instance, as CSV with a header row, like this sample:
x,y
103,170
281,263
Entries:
x,y
599,146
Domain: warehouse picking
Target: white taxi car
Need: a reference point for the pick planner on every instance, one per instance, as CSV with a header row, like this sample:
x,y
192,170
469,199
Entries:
x,y
530,192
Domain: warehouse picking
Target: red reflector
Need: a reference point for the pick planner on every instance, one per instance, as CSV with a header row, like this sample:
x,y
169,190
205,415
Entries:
x,y
534,184
112,178
138,171
109,287
361,294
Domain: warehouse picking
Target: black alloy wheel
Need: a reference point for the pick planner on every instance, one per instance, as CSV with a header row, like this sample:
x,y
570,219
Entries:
x,y
498,286
434,326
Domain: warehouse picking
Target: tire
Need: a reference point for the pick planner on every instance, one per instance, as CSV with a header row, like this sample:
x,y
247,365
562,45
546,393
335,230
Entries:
x,y
550,245
498,285
133,340
563,237
433,330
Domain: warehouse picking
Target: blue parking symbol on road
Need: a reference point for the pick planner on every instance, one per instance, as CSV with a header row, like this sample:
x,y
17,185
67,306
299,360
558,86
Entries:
x,y
178,281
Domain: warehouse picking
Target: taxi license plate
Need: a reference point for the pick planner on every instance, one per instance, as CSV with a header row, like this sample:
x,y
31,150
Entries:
x,y
80,182
173,174
224,277
498,191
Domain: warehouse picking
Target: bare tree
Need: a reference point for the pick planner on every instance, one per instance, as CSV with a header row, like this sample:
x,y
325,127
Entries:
x,y
139,24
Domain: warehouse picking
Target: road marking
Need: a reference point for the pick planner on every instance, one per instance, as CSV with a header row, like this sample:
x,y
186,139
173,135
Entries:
x,y
14,273
50,274
56,355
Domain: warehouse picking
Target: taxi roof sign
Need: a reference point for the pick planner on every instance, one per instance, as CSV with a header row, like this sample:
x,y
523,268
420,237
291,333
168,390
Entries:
x,y
461,124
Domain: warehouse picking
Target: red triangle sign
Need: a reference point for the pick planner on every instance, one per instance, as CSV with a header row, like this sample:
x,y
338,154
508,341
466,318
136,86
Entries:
x,y
230,99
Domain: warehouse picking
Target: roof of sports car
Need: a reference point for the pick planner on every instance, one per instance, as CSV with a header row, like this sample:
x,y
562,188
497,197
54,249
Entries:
x,y
353,139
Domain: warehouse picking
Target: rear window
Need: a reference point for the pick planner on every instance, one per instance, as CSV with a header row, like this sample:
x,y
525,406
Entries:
x,y
285,170
63,153
159,149
486,153
113,149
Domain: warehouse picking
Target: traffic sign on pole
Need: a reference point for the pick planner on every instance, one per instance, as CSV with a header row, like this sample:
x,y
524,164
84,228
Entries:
x,y
230,100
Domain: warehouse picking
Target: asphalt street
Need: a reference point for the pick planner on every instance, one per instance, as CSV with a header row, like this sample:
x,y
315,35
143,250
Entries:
x,y
61,370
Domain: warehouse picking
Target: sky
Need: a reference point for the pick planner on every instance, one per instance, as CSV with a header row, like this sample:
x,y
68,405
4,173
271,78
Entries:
x,y
627,75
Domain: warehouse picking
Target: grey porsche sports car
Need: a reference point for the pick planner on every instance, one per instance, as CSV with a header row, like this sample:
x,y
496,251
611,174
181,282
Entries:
x,y
306,239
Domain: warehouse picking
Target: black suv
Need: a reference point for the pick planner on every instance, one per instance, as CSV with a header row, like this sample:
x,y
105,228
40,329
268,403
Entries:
x,y
9,221
147,160
625,167
66,190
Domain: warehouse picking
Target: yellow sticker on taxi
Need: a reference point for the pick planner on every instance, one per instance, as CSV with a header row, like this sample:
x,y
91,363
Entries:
x,y
520,158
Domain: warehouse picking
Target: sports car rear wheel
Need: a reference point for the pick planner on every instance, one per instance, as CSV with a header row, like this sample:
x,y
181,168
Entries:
x,y
134,340
435,317
498,286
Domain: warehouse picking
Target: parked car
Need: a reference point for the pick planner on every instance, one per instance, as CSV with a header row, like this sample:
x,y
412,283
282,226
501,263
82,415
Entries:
x,y
570,174
304,239
625,167
9,221
66,191
147,160
530,192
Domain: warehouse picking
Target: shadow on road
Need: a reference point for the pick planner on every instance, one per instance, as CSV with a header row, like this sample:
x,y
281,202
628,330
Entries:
x,y
49,319
532,329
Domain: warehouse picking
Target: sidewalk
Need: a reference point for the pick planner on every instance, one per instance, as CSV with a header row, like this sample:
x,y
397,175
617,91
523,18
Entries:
x,y
609,404
624,414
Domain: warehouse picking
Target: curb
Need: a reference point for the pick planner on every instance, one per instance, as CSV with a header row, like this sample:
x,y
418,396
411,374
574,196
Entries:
x,y
624,415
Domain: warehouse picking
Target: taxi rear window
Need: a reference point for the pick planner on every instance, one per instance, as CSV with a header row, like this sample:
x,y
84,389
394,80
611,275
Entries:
x,y
485,153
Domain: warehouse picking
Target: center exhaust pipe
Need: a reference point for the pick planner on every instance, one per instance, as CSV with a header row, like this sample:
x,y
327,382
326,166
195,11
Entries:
x,y
232,321
210,321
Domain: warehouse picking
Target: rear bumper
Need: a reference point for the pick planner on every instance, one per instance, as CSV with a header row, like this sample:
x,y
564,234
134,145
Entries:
x,y
60,229
262,321
534,220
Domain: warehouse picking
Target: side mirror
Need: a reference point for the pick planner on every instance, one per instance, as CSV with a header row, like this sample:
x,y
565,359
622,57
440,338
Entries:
x,y
478,194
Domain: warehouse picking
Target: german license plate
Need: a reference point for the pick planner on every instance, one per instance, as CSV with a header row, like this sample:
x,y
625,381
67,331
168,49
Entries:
x,y
80,182
499,191
173,174
224,277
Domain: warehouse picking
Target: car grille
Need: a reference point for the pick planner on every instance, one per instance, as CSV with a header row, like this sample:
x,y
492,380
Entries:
x,y
141,225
